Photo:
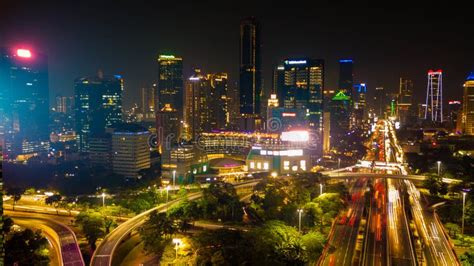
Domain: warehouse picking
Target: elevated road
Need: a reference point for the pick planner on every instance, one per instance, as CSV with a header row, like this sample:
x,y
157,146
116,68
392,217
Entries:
x,y
64,238
104,253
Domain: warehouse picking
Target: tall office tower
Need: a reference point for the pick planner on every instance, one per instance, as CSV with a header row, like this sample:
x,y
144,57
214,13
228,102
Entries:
x,y
455,115
98,105
24,102
468,105
233,106
405,100
100,150
197,101
250,67
300,85
380,102
64,104
219,106
167,128
170,83
148,99
360,103
346,77
434,96
340,116
130,150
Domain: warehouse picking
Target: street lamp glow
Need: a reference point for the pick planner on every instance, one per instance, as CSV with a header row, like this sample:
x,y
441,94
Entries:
x,y
178,242
174,178
463,210
103,199
439,167
274,174
320,188
300,212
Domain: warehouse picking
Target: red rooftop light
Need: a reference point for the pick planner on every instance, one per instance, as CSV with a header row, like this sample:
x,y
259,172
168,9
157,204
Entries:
x,y
23,53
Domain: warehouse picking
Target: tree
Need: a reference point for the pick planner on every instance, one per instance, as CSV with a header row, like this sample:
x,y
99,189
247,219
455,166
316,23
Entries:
x,y
92,225
156,232
7,224
54,200
314,245
467,258
432,184
453,229
278,244
220,201
26,248
16,194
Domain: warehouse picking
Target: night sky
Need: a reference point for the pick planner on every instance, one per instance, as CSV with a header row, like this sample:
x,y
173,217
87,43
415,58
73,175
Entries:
x,y
125,37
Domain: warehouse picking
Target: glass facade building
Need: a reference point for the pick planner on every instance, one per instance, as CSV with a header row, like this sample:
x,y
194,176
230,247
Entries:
x,y
98,105
24,101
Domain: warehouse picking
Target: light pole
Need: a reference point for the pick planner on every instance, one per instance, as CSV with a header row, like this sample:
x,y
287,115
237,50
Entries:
x,y
177,242
174,178
463,210
103,199
320,188
300,211
338,163
439,167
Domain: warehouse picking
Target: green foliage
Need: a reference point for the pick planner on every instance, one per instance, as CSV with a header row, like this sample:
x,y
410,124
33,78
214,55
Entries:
x,y
156,232
220,201
15,193
467,259
26,248
92,225
7,224
314,245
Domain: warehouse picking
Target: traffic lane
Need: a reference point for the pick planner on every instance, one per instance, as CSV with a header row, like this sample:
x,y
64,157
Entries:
x,y
344,237
401,252
70,252
51,236
376,249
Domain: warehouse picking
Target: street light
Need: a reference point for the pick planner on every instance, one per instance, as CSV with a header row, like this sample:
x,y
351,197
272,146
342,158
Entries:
x,y
174,178
177,242
439,167
338,163
320,188
463,210
274,174
103,199
300,211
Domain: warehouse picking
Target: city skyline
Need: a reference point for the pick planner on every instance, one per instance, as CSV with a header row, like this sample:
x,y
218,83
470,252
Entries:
x,y
132,48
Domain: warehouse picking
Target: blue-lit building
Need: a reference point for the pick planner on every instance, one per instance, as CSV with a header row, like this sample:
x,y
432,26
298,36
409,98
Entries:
x,y
346,76
98,105
250,67
24,102
299,84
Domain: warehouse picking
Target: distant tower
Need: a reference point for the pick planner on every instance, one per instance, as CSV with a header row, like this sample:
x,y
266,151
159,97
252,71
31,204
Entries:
x,y
434,96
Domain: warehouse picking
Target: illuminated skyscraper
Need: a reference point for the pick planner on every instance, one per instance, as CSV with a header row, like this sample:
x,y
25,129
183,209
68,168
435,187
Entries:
x,y
250,67
198,108
434,96
170,83
346,76
64,104
380,102
98,105
130,150
340,116
468,105
219,116
148,101
24,101
300,84
360,103
404,101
